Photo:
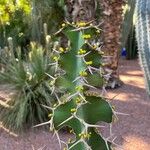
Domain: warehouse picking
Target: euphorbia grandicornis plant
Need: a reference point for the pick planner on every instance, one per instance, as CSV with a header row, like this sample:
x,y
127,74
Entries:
x,y
78,68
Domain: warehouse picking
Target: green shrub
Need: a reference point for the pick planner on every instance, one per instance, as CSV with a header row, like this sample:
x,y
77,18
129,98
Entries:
x,y
23,20
32,88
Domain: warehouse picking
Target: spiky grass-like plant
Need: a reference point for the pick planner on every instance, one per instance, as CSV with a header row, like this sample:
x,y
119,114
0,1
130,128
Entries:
x,y
31,83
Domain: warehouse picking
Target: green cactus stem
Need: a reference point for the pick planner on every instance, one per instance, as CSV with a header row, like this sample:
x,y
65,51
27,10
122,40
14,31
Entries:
x,y
81,65
143,37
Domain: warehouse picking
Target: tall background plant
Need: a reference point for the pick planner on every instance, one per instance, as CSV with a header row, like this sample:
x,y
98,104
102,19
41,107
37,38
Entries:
x,y
143,37
24,20
128,39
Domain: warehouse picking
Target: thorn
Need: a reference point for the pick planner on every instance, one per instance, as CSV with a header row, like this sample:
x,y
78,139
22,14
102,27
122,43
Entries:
x,y
96,126
106,142
94,68
87,146
52,64
73,95
50,76
82,97
41,124
75,144
77,78
59,141
58,31
66,121
57,98
110,129
89,68
119,113
104,92
47,107
56,68
80,56
89,86
53,89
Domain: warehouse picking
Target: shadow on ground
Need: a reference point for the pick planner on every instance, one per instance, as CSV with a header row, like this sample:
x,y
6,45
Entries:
x,y
132,131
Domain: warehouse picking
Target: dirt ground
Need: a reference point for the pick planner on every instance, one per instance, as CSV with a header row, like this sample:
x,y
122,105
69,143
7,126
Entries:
x,y
132,131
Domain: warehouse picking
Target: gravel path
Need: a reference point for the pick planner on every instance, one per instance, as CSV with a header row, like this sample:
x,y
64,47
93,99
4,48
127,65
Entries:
x,y
132,131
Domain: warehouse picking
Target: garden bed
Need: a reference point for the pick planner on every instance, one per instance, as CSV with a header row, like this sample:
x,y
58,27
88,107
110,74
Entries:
x,y
132,130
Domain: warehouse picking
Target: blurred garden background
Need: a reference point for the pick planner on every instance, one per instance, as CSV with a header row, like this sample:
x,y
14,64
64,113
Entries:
x,y
74,74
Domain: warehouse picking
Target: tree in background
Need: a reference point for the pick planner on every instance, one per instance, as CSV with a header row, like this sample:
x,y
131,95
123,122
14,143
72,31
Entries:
x,y
23,20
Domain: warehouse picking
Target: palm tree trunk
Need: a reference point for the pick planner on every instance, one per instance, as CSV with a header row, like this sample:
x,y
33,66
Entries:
x,y
112,20
80,10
